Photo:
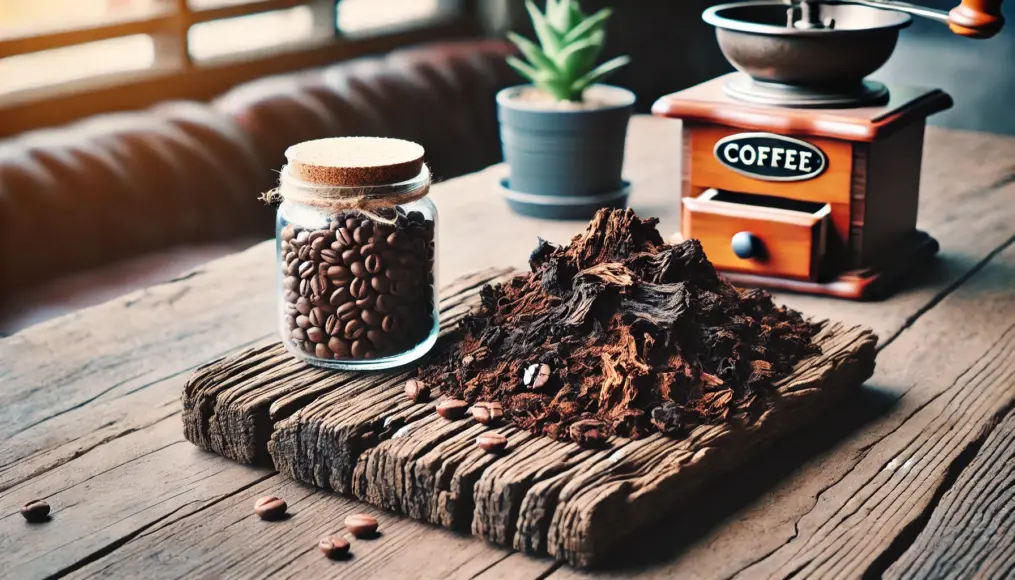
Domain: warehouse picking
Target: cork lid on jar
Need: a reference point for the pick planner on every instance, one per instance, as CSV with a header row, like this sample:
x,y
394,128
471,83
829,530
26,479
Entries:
x,y
355,161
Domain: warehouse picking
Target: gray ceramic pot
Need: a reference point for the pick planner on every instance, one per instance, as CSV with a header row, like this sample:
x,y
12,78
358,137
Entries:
x,y
565,163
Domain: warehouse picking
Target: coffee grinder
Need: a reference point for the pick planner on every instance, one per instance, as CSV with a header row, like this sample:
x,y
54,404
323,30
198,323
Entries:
x,y
799,173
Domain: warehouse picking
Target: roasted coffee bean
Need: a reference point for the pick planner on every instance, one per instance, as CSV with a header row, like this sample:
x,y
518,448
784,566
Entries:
x,y
371,317
289,256
321,350
542,377
347,312
291,283
318,243
35,511
316,334
304,253
333,326
453,409
359,270
331,256
290,296
299,334
397,239
293,268
317,287
417,391
384,303
359,288
290,322
351,255
303,321
492,442
301,238
488,413
369,250
379,338
361,525
340,274
270,508
399,288
351,223
304,288
367,301
373,263
334,547
380,284
306,270
340,296
391,323
339,347
360,348
361,235
303,305
345,237
317,317
288,233
355,329
290,309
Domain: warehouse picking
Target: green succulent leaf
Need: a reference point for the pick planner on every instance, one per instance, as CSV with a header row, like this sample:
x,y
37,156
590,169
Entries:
x,y
575,15
578,57
599,73
593,23
559,14
533,53
549,38
525,69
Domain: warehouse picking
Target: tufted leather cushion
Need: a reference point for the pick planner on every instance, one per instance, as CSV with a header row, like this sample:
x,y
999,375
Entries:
x,y
118,185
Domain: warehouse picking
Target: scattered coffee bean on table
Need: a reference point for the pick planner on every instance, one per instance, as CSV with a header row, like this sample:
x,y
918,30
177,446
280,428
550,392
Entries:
x,y
417,391
487,413
452,410
35,511
359,288
361,525
270,508
492,442
620,333
334,547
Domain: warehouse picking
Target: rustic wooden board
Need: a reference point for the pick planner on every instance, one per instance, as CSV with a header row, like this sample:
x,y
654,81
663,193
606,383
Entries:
x,y
357,434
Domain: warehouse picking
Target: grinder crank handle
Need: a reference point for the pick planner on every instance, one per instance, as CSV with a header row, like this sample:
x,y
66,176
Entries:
x,y
972,18
976,18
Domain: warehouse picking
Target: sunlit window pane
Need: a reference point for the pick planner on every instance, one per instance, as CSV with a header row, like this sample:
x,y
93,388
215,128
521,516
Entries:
x,y
245,33
209,4
357,17
77,62
30,17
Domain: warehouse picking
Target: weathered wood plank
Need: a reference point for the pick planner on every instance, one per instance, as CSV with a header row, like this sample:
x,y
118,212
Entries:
x,y
971,532
860,496
368,440
230,407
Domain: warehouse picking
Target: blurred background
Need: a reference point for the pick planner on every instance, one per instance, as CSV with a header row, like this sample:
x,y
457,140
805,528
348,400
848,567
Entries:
x,y
143,130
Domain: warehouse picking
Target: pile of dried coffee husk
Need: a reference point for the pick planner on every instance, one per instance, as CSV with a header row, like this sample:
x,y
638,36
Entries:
x,y
639,336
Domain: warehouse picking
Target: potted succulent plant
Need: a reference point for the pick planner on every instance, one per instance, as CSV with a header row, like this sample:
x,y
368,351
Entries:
x,y
563,135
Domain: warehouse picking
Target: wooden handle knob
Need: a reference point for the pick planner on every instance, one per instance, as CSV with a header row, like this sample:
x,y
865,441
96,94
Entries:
x,y
976,18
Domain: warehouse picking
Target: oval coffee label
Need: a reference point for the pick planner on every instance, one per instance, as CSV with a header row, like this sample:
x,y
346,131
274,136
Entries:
x,y
770,157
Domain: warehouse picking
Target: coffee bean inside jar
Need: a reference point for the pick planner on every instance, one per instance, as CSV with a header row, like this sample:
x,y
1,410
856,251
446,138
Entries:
x,y
356,253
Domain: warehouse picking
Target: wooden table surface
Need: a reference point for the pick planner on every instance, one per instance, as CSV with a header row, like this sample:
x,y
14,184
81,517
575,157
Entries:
x,y
913,477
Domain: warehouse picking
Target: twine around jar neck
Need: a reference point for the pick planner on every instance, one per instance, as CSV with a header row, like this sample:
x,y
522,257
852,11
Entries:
x,y
334,198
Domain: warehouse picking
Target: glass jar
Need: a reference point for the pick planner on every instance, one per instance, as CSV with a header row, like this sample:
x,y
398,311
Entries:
x,y
357,283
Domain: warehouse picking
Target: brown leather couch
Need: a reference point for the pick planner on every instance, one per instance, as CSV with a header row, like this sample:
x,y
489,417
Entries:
x,y
82,196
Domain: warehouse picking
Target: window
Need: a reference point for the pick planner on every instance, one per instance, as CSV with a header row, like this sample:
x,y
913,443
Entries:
x,y
53,49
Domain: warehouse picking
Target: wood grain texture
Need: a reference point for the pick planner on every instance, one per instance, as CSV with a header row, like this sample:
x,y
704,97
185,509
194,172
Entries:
x,y
90,391
544,497
971,531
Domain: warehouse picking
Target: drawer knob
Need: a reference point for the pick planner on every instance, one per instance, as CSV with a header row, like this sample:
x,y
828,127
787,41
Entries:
x,y
747,246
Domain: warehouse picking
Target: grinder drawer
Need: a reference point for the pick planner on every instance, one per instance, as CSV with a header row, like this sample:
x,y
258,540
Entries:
x,y
758,234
